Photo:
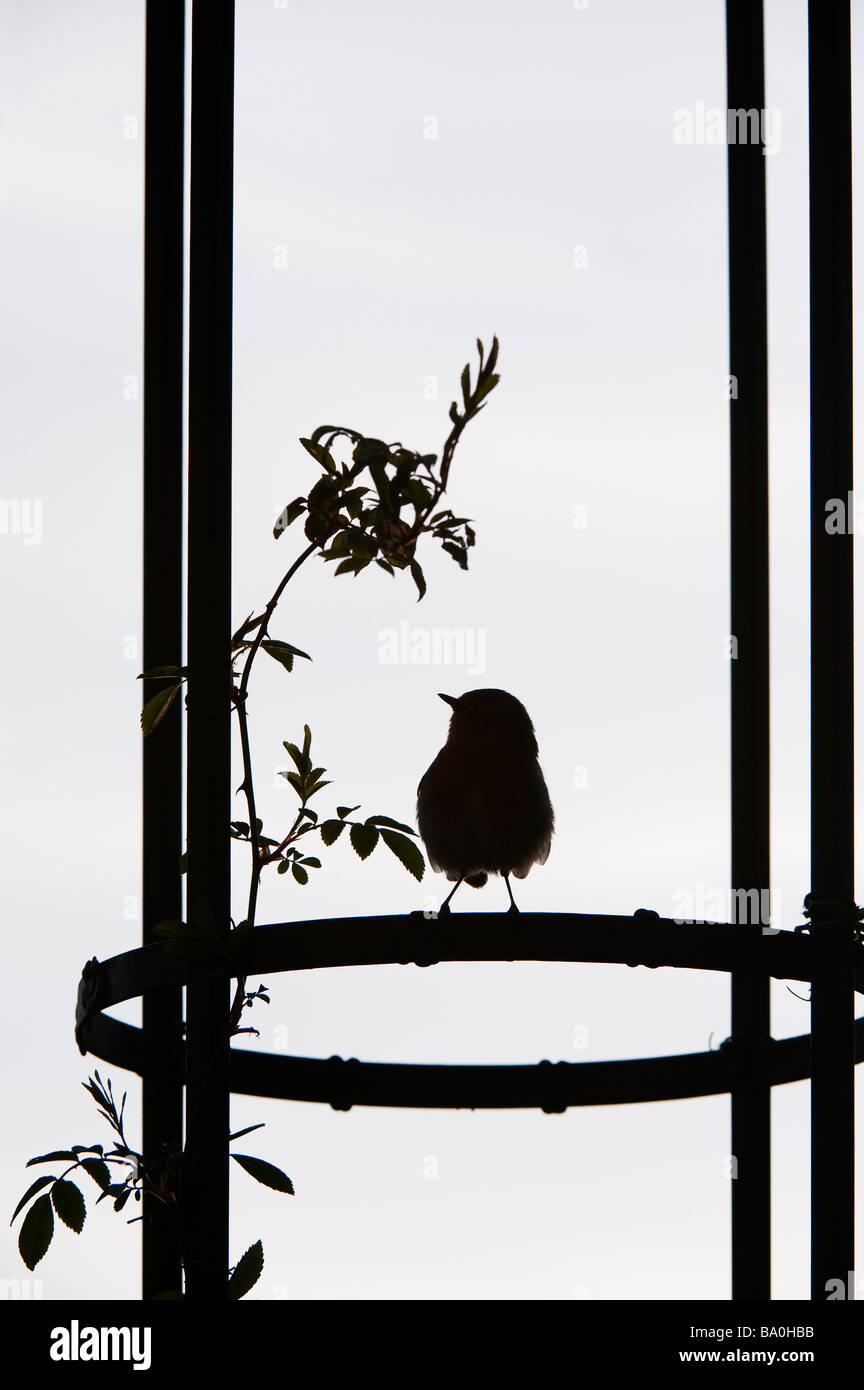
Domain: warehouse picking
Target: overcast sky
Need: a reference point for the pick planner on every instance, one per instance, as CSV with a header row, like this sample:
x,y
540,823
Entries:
x,y
410,177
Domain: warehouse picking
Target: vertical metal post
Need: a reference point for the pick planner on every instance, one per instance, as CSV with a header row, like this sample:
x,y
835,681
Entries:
x,y
831,630
748,343
205,1169
162,1096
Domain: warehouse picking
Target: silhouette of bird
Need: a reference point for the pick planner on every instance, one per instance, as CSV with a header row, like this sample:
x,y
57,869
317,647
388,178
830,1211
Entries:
x,y
482,806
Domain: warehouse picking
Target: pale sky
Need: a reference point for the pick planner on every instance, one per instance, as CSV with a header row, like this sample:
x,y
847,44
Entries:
x,y
410,177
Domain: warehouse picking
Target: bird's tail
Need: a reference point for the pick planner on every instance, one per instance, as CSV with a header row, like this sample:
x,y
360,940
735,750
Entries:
x,y
477,880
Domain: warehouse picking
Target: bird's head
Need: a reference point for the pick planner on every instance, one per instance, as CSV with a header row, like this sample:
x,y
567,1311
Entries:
x,y
491,717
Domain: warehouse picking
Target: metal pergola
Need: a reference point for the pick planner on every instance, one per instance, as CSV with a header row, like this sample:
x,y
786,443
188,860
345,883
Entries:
x,y
199,1068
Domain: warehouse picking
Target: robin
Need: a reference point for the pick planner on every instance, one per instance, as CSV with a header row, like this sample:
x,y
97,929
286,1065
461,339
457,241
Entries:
x,y
483,807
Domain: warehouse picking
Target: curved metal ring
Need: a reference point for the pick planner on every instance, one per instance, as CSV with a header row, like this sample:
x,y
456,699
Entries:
x,y
644,939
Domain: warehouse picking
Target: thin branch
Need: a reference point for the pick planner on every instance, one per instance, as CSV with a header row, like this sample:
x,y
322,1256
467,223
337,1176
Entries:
x,y
247,784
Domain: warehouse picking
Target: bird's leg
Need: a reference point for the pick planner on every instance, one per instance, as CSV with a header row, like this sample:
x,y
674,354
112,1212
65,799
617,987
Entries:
x,y
444,909
512,907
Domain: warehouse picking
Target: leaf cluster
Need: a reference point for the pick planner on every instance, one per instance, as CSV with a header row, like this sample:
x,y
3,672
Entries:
x,y
65,1199
377,507
307,780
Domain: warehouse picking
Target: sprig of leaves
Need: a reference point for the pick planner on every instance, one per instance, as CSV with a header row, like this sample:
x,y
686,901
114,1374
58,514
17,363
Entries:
x,y
352,523
307,780
283,652
65,1198
364,837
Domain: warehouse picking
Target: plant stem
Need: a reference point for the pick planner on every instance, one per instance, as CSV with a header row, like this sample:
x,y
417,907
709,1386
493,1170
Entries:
x,y
247,784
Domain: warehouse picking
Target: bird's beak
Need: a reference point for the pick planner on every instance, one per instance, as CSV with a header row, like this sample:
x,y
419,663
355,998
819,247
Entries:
x,y
451,700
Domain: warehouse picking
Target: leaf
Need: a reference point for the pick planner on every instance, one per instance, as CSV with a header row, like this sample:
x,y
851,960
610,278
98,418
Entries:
x,y
31,1191
418,492
466,384
37,1230
314,863
247,1272
393,824
284,658
331,830
406,852
162,671
352,501
57,1156
385,566
320,454
296,650
69,1204
300,761
120,1202
324,496
343,811
156,708
241,829
98,1171
115,1190
283,652
316,787
484,390
288,515
266,1173
417,576
283,866
247,1130
368,451
457,552
406,460
300,874
339,545
364,838
295,780
318,528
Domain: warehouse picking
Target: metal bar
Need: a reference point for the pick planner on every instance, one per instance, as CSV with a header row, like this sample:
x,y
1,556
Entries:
x,y
162,1095
751,868
205,1166
485,936
831,629
342,1082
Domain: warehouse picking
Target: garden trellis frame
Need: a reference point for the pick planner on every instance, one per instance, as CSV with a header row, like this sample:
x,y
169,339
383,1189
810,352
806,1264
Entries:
x,y
829,954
